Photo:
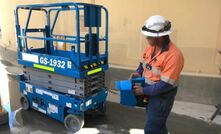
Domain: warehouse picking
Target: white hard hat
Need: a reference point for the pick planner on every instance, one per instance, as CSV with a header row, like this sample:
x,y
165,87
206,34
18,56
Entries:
x,y
156,26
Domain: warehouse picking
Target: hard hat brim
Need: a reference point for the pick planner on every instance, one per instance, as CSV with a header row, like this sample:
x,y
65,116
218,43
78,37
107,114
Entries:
x,y
150,34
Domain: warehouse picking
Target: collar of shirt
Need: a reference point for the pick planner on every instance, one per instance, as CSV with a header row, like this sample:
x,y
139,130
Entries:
x,y
165,47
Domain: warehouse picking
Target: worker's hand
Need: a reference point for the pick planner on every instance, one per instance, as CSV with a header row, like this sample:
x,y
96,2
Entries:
x,y
138,90
132,75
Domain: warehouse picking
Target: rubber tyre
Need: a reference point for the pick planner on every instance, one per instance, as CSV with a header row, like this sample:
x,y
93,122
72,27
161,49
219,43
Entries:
x,y
73,123
24,102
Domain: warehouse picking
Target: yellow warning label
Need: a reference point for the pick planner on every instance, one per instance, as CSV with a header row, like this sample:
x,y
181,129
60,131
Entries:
x,y
94,71
44,67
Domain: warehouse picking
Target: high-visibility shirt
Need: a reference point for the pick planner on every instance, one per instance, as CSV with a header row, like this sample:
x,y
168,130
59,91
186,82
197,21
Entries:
x,y
165,66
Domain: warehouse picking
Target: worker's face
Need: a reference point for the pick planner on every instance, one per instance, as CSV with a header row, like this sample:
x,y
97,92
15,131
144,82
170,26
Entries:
x,y
154,41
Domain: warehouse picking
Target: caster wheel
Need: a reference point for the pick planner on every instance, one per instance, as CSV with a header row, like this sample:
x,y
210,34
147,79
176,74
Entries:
x,y
24,102
73,123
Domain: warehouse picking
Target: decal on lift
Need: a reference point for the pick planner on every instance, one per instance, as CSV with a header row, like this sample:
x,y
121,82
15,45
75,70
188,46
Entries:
x,y
52,62
52,108
29,88
41,92
35,105
24,92
71,92
69,105
30,57
69,65
89,102
94,71
42,110
44,67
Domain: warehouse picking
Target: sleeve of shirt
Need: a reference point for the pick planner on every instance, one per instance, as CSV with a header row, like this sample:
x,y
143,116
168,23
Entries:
x,y
157,89
172,69
140,69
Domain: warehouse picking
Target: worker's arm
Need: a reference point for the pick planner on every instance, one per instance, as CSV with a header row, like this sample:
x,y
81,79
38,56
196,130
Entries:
x,y
138,72
156,89
140,69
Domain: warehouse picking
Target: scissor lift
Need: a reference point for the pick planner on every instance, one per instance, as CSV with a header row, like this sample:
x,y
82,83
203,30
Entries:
x,y
62,83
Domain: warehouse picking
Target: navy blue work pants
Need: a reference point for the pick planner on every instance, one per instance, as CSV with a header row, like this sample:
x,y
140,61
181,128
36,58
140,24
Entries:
x,y
158,110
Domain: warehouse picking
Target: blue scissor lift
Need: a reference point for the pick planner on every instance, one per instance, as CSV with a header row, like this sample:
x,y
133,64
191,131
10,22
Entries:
x,y
62,83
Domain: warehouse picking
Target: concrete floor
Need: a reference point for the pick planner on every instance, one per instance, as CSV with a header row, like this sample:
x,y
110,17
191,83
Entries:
x,y
118,120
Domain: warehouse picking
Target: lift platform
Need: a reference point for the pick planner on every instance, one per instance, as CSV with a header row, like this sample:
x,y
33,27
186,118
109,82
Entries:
x,y
65,76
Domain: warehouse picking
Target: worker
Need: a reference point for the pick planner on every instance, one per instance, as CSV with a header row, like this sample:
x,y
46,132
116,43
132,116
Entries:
x,y
161,65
